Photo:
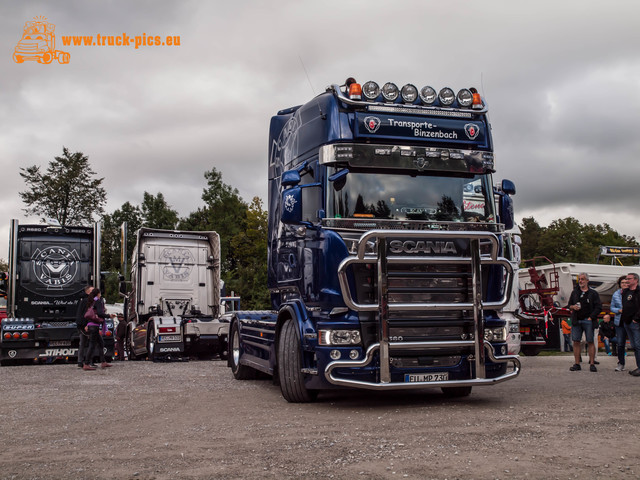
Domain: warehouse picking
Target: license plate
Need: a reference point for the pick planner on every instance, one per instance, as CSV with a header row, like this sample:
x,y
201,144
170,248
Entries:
x,y
426,377
60,343
169,338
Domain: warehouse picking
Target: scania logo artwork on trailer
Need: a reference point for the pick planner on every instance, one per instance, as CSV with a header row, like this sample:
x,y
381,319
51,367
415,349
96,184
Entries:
x,y
55,266
180,264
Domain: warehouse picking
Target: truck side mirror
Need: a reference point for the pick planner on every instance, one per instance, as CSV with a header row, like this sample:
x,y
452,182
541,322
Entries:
x,y
506,211
290,178
508,187
301,205
122,287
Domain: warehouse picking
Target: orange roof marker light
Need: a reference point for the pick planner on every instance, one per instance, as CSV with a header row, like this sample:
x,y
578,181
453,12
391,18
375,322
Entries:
x,y
355,90
477,100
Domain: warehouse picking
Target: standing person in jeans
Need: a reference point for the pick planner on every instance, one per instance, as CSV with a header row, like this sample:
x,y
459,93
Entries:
x,y
631,316
95,327
84,336
621,332
585,307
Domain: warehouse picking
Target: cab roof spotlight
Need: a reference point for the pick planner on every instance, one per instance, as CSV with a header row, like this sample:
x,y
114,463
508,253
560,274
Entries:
x,y
390,92
371,90
465,97
428,95
446,96
477,99
409,93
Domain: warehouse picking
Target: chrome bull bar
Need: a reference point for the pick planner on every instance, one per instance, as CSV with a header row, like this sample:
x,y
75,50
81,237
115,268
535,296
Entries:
x,y
382,259
346,382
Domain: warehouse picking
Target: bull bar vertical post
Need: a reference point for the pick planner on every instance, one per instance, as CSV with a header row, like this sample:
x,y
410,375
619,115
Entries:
x,y
478,316
383,311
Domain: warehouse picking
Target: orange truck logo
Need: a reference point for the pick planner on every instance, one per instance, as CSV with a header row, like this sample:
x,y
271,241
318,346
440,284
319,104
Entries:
x,y
38,43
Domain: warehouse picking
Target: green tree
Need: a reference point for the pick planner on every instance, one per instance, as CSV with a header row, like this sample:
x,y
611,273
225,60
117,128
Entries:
x,y
568,240
111,238
157,213
249,278
531,231
225,213
68,191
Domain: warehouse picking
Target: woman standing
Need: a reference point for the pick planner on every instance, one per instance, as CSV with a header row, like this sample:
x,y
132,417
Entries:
x,y
96,327
621,333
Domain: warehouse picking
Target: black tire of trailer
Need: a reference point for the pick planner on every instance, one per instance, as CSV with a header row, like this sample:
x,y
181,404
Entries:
x,y
290,365
456,392
240,372
530,350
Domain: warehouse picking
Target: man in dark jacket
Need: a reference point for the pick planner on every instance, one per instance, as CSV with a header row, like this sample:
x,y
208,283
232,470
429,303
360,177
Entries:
x,y
84,338
585,307
630,317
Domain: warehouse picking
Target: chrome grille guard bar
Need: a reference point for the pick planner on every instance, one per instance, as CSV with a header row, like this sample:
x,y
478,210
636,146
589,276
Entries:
x,y
382,259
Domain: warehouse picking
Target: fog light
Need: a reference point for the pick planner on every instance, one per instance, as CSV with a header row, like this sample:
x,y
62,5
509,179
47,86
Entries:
x,y
465,97
409,93
25,335
428,95
353,354
371,90
446,96
16,335
390,91
334,354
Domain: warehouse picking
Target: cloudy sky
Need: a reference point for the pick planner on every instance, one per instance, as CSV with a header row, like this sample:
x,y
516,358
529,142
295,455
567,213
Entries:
x,y
562,80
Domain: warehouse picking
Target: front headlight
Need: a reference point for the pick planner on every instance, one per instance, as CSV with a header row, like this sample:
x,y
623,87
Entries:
x,y
339,337
497,334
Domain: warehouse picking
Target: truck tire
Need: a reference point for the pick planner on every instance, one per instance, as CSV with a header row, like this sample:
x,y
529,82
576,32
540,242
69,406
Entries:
x,y
47,58
128,346
240,372
152,344
290,365
456,392
530,350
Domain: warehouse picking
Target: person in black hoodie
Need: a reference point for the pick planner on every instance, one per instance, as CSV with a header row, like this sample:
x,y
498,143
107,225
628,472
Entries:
x,y
84,336
631,317
585,307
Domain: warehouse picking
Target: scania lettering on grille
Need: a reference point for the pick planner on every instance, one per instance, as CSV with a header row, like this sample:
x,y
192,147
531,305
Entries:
x,y
422,246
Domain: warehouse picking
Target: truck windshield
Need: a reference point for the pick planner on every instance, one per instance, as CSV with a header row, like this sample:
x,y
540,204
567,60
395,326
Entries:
x,y
419,197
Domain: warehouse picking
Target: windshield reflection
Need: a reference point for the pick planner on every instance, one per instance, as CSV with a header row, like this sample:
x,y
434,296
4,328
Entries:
x,y
405,197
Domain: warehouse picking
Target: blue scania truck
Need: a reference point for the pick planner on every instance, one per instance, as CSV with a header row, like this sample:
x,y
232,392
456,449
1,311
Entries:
x,y
385,261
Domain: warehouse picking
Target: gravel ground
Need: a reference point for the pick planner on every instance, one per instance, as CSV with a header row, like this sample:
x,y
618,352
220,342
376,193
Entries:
x,y
143,420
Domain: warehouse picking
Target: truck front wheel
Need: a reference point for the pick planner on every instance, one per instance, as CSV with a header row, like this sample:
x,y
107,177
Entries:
x,y
151,344
240,372
290,366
